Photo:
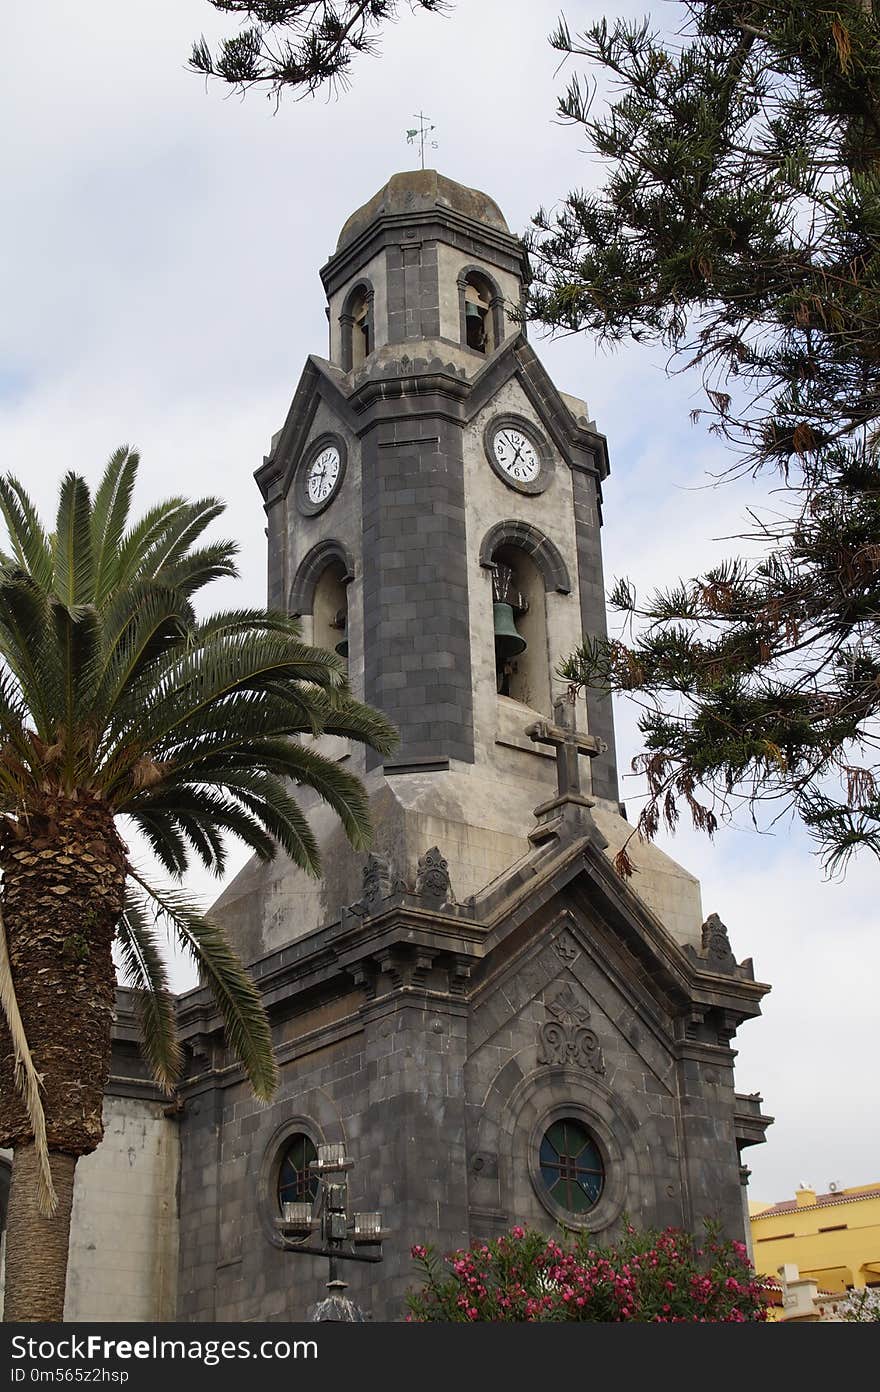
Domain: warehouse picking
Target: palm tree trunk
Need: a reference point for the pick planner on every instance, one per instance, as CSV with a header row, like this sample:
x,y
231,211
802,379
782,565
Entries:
x,y
36,1247
63,892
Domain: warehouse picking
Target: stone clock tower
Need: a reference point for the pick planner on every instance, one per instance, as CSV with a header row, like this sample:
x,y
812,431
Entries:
x,y
498,1028
428,469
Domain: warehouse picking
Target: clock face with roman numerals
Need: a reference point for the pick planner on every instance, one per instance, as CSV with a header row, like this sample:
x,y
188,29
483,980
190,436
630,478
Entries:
x,y
515,454
323,475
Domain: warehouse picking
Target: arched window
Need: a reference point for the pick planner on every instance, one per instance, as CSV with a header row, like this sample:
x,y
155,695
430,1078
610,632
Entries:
x,y
481,308
319,594
330,609
356,322
525,566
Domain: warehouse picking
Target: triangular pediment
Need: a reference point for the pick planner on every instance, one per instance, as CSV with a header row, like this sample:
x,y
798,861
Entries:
x,y
577,884
320,382
577,441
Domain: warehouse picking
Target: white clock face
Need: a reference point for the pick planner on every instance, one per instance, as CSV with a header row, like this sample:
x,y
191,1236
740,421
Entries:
x,y
323,475
516,454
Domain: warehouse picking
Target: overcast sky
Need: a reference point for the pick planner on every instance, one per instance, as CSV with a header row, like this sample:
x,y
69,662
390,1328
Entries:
x,y
159,249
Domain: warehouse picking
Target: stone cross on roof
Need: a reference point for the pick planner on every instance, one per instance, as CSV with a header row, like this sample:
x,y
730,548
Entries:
x,y
570,744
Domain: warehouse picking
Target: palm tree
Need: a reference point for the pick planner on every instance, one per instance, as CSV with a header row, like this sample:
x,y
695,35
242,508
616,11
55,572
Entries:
x,y
117,701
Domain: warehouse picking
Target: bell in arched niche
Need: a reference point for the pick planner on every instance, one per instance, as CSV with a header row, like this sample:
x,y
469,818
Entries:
x,y
507,602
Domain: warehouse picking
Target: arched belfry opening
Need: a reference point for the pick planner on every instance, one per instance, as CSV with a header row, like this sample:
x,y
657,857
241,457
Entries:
x,y
319,594
330,610
525,566
481,307
519,621
356,325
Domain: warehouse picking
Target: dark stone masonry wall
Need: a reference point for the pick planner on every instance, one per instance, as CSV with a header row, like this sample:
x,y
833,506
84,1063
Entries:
x,y
416,626
442,1092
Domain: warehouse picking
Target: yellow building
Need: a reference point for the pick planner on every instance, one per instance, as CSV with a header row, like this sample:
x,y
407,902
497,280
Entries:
x,y
833,1238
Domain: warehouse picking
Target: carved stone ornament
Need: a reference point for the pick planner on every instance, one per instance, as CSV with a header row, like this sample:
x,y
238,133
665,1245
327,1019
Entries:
x,y
379,883
565,1037
432,879
565,949
716,945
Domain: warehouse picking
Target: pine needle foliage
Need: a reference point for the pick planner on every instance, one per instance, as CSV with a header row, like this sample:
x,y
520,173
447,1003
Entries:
x,y
296,46
738,225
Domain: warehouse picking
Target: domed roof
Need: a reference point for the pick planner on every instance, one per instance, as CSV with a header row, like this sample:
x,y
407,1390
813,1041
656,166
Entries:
x,y
419,190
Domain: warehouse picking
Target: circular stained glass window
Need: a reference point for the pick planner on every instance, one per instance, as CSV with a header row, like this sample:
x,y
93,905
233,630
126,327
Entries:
x,y
571,1166
296,1182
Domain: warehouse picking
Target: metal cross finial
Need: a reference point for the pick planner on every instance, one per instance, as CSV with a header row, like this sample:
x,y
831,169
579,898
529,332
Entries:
x,y
420,133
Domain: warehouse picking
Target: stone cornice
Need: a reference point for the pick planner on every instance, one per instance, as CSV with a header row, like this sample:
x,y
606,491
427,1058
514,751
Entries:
x,y
455,938
405,379
499,248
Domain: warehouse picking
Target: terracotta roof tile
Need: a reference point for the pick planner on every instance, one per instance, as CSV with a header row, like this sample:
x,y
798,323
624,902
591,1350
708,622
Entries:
x,y
822,1201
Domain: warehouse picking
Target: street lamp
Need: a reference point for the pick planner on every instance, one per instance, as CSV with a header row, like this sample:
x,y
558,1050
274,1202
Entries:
x,y
327,1228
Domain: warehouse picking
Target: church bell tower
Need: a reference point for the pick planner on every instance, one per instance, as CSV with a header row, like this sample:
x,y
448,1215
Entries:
x,y
434,510
497,1028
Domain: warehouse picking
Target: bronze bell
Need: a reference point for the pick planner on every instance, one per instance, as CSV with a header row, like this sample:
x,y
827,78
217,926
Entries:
x,y
472,311
508,642
340,621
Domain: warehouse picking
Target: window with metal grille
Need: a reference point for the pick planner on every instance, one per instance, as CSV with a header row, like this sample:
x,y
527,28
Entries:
x,y
571,1166
296,1182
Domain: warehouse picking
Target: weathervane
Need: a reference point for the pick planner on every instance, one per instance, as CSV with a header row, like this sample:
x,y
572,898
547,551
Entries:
x,y
420,133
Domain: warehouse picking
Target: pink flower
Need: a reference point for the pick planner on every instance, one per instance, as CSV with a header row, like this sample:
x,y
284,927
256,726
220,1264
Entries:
x,y
419,1253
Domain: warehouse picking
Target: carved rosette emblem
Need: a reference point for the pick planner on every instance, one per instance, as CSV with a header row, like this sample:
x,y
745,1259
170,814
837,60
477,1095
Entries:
x,y
566,1037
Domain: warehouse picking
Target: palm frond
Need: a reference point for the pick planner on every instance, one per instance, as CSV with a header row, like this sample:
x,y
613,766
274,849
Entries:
x,y
24,621
246,1024
144,971
141,624
110,514
198,568
166,841
353,720
337,787
27,1080
29,541
267,800
139,539
227,621
197,683
71,673
202,815
74,570
183,530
